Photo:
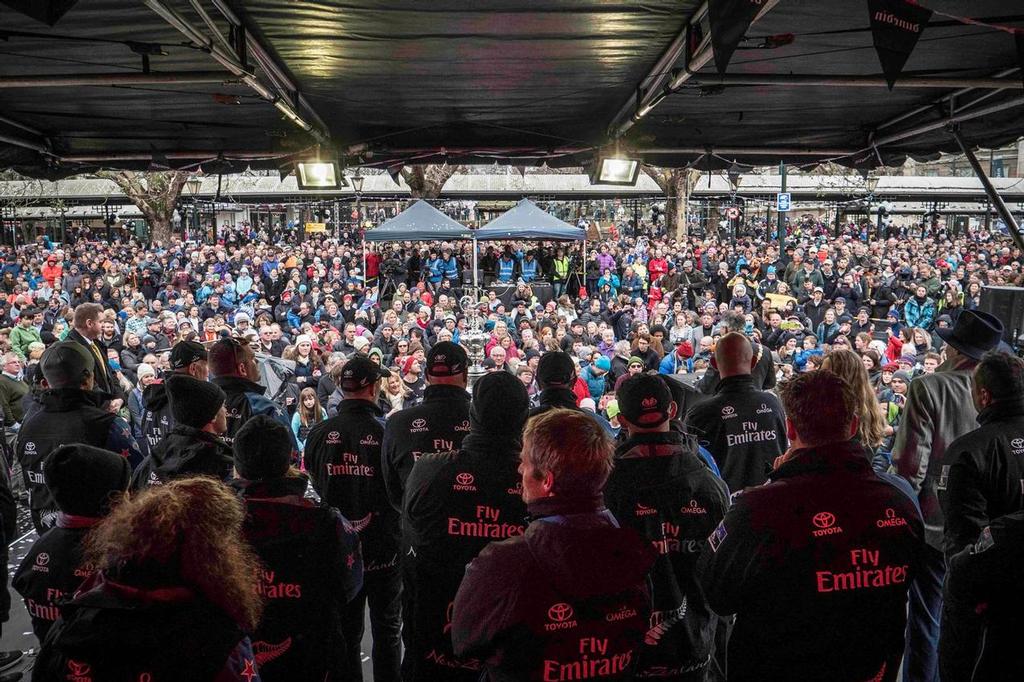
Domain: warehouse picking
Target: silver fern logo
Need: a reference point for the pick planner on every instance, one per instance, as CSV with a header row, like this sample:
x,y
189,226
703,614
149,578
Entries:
x,y
662,622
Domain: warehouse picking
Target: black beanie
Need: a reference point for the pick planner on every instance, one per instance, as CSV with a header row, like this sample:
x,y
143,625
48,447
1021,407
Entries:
x,y
556,369
82,479
263,448
500,404
193,403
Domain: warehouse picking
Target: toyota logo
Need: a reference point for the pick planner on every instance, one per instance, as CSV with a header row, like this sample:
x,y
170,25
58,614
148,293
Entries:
x,y
824,519
464,478
728,409
333,435
1017,443
419,423
42,559
648,403
560,613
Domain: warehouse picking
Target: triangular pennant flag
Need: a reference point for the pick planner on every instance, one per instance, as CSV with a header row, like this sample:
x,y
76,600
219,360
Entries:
x,y
896,26
730,20
47,11
1019,38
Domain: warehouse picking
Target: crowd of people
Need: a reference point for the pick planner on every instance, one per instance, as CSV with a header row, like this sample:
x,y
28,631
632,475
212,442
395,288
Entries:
x,y
694,451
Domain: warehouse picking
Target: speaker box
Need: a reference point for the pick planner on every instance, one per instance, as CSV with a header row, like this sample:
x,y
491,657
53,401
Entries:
x,y
1007,304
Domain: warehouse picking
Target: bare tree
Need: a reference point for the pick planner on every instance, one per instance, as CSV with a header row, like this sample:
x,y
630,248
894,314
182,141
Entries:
x,y
427,180
677,184
155,193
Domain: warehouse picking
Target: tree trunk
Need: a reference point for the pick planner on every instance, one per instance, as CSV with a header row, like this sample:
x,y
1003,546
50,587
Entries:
x,y
426,181
676,183
155,194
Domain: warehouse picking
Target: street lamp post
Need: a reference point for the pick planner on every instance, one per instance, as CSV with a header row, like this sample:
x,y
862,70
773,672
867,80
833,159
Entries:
x,y
871,184
193,185
357,185
733,175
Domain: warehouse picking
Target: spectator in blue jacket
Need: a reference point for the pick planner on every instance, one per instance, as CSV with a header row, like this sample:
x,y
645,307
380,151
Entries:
x,y
919,310
596,376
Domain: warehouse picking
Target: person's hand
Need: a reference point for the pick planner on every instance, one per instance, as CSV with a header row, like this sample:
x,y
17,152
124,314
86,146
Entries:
x,y
115,405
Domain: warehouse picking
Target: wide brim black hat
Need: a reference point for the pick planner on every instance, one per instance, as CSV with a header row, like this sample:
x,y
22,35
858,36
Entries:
x,y
974,334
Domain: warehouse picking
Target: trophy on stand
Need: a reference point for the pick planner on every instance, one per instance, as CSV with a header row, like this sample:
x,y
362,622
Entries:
x,y
474,338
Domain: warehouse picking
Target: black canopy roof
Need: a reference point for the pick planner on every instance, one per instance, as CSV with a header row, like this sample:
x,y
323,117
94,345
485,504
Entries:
x,y
526,220
401,81
419,222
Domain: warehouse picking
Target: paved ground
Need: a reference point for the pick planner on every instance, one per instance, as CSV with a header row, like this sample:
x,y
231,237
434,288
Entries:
x,y
17,632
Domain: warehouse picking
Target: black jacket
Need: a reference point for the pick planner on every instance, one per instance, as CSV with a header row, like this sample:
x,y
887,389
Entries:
x,y
185,451
44,583
438,424
244,399
986,467
662,490
343,458
565,600
983,606
455,504
311,568
8,528
816,566
743,428
157,420
114,631
69,415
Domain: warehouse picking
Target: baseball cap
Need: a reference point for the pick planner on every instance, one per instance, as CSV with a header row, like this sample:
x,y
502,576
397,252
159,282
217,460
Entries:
x,y
644,400
185,353
446,359
66,364
360,372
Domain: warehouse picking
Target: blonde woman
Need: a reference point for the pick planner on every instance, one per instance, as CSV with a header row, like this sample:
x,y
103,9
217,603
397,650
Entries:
x,y
393,394
871,431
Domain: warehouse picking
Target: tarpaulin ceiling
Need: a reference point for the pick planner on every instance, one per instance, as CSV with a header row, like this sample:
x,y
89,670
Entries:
x,y
527,81
419,222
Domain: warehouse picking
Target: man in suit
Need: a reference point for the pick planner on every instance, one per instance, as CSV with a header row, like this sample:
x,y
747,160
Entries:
x,y
85,332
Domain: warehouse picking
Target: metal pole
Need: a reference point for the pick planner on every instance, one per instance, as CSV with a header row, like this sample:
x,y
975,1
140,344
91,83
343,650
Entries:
x,y
849,81
476,283
957,118
101,79
990,190
782,214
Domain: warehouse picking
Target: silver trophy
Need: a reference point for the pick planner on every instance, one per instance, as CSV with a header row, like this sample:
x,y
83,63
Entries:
x,y
474,338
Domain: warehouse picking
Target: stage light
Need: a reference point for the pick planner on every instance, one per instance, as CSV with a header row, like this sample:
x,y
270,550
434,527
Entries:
x,y
318,174
615,170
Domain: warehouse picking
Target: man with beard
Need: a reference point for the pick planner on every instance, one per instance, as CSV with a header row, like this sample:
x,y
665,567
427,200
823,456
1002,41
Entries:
x,y
691,283
71,413
233,368
455,504
412,377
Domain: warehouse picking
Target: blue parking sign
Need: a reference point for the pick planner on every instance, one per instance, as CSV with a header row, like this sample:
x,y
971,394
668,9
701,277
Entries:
x,y
783,201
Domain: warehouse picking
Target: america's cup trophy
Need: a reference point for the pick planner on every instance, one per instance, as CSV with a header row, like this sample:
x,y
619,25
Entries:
x,y
474,338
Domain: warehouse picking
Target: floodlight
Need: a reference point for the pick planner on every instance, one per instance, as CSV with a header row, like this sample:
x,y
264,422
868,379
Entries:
x,y
615,170
317,174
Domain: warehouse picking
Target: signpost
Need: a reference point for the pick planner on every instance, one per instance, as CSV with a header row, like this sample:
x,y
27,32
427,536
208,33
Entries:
x,y
783,201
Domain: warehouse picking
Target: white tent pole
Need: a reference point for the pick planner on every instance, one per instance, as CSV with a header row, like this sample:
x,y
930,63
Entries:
x,y
476,284
366,281
584,257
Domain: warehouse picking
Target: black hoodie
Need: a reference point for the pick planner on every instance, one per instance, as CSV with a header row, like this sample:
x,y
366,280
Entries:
x,y
566,600
157,420
185,451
